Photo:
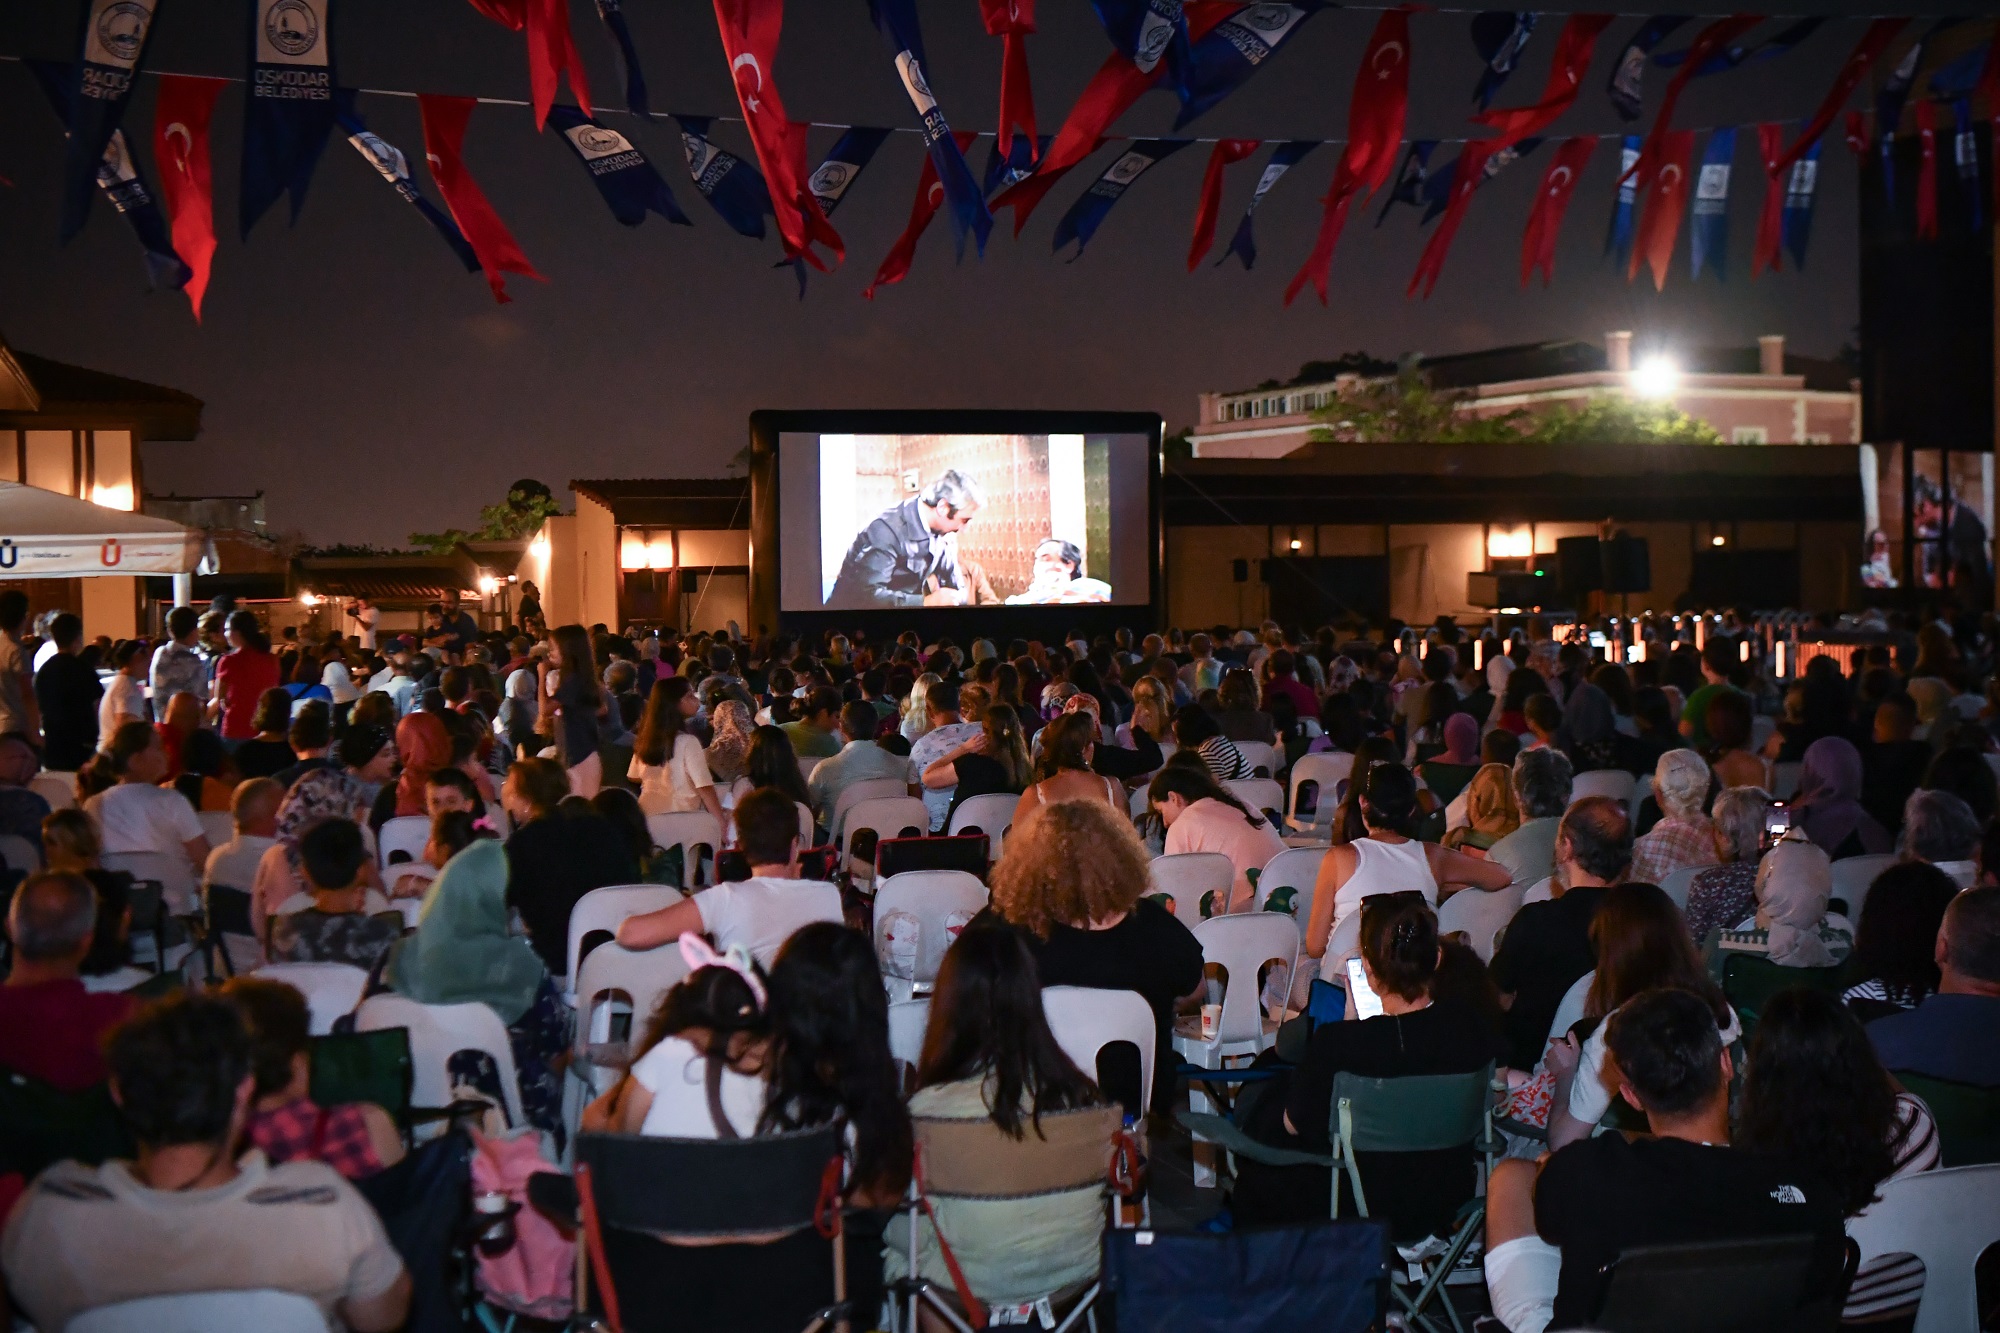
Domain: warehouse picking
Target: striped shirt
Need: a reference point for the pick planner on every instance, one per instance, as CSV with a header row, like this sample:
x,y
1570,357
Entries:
x,y
1223,759
1892,1284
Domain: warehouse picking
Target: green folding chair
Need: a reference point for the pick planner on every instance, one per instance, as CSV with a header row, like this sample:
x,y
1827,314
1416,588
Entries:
x,y
1750,980
365,1067
1416,1113
1968,1117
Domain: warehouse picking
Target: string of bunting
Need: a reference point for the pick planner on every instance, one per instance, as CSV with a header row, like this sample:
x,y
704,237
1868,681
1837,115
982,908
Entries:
x,y
1199,51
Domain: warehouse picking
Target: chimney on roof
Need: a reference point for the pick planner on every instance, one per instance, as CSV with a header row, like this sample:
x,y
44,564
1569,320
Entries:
x,y
1618,352
1771,354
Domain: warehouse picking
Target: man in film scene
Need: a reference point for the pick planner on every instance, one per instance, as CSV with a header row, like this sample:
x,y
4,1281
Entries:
x,y
908,556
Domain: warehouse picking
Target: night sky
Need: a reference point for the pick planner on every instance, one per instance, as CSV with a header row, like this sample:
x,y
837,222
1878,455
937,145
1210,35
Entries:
x,y
357,376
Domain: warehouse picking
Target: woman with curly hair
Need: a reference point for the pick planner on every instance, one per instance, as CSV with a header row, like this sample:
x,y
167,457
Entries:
x,y
1074,878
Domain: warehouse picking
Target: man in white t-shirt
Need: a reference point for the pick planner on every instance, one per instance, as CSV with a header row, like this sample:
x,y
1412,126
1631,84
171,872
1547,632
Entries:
x,y
362,613
137,816
124,697
759,913
186,1215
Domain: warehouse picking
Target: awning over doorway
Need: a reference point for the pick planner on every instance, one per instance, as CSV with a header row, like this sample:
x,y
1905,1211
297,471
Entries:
x,y
44,534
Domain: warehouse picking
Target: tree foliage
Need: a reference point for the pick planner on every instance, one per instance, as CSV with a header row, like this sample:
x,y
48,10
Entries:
x,y
529,503
1406,408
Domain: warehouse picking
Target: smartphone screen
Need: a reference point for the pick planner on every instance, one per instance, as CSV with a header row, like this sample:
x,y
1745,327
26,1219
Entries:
x,y
1778,821
1367,1004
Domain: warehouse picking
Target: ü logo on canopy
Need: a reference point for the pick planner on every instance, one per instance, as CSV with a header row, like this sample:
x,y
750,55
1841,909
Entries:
x,y
10,555
111,553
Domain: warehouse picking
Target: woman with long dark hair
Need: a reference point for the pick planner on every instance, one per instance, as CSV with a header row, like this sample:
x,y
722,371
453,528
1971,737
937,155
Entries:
x,y
572,708
994,762
1201,815
241,676
1198,730
1894,963
1068,745
771,762
668,760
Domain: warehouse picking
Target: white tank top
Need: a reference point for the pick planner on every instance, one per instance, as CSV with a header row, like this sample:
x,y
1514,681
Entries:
x,y
1384,867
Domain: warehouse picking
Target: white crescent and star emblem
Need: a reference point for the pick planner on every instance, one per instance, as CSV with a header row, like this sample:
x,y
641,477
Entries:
x,y
186,152
936,194
1375,61
1560,178
750,102
1671,169
435,161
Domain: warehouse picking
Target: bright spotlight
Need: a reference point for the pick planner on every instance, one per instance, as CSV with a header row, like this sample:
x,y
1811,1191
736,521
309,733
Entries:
x,y
1718,540
1656,377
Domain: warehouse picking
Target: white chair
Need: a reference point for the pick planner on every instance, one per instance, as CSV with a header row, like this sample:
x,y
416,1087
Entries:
x,y
1239,946
1139,801
1260,794
869,789
1762,728
807,763
1481,915
1945,1218
885,817
219,826
992,814
404,833
1539,892
1785,780
1853,876
805,825
1613,782
1297,869
1642,788
908,1020
932,897
331,989
19,853
1084,1020
173,872
1344,943
607,908
204,1312
1264,755
1327,772
438,1032
1675,884
58,789
1186,876
1569,1010
689,830
609,971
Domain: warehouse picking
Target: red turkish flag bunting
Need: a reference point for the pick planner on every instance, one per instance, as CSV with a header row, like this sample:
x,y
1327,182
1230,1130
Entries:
x,y
1572,61
552,49
187,187
1664,197
749,30
1375,112
1709,42
1927,191
1471,170
1880,33
1771,222
930,197
1226,151
1857,133
445,119
1538,245
1011,21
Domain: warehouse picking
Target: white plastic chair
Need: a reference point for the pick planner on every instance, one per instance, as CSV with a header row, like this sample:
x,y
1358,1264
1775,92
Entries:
x,y
1762,728
404,833
1853,876
173,872
1642,788
908,1020
931,896
204,1312
1186,876
438,1032
885,817
807,763
1139,801
1344,943
869,789
58,789
1569,1010
1328,771
331,989
1260,794
1297,869
689,830
219,826
19,853
608,971
1945,1218
1539,892
1675,884
1240,946
992,814
1084,1020
1264,755
1481,915
1785,780
607,908
1613,782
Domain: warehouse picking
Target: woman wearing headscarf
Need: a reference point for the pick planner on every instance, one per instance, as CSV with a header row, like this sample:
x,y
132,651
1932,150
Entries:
x,y
367,758
1932,697
1794,882
424,742
1828,804
519,711
1683,837
729,745
462,951
1448,772
1589,734
1491,809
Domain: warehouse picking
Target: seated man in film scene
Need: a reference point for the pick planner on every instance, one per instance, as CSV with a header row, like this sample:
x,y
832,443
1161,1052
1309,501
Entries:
x,y
1059,577
909,555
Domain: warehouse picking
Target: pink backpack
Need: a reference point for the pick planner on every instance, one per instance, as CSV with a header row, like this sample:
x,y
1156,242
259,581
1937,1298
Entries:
x,y
535,1276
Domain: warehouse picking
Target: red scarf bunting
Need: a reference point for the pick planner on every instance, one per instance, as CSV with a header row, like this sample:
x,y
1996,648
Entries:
x,y
445,119
187,187
1857,134
1665,196
1011,21
1880,33
1028,192
1927,191
749,31
1227,151
1375,112
1471,170
1771,222
1572,61
1712,40
930,197
1538,246
552,49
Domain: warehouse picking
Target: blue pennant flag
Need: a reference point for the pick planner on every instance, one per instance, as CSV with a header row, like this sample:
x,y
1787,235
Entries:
x,y
1283,158
1708,231
1797,217
1965,156
1224,59
1411,178
1618,239
897,20
838,170
100,84
1094,204
121,181
1628,76
289,111
1437,190
1016,164
1957,78
1892,96
393,167
732,186
612,12
1723,61
1147,32
621,172
1499,37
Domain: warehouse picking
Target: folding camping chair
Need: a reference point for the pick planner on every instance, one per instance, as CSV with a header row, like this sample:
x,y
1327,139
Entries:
x,y
1727,1286
1330,1277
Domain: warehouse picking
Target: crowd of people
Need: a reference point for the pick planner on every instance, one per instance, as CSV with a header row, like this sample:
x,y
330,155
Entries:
x,y
535,758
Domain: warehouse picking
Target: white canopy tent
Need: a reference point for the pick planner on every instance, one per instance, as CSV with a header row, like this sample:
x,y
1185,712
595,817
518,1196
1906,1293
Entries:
x,y
47,535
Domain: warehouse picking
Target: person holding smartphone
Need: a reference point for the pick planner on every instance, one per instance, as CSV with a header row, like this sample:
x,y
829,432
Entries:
x,y
1421,1028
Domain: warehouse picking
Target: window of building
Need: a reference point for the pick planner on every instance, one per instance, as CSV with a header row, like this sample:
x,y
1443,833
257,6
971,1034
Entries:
x,y
1750,435
1818,437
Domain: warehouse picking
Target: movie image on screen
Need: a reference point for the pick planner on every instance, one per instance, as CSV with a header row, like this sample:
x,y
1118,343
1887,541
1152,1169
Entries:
x,y
963,520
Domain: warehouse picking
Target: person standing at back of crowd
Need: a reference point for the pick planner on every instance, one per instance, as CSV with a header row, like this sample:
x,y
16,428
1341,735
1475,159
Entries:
x,y
242,676
18,711
177,667
361,611
573,708
67,691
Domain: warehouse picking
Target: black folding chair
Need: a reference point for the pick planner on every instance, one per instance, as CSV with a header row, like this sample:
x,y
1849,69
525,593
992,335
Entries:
x,y
779,1190
1757,1285
1330,1277
40,1125
225,911
965,851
